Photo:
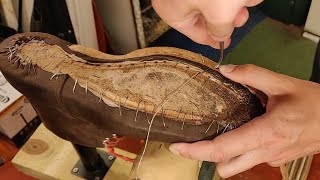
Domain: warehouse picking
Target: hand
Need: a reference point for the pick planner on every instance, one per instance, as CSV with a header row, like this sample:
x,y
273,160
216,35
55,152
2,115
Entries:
x,y
289,129
205,21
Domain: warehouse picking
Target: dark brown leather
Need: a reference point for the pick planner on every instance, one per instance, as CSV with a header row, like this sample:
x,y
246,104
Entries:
x,y
83,119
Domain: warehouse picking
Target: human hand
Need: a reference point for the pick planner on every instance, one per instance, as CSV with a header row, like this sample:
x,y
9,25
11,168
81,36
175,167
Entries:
x,y
289,129
205,21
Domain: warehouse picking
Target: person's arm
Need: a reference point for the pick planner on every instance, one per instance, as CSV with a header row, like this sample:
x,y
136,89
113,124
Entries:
x,y
205,21
289,129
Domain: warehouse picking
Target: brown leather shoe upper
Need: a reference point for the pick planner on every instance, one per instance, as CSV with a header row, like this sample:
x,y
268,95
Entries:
x,y
83,95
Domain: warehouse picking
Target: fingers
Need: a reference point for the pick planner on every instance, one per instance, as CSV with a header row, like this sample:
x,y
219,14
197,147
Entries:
x,y
253,3
239,164
242,17
262,79
196,31
226,146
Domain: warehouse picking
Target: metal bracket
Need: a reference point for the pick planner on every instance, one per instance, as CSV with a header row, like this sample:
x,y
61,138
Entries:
x,y
80,170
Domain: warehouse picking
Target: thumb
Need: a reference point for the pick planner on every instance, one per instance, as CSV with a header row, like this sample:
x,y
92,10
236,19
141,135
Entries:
x,y
259,78
220,32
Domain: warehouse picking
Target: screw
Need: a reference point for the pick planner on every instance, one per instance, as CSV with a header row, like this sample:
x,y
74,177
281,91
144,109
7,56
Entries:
x,y
110,158
75,170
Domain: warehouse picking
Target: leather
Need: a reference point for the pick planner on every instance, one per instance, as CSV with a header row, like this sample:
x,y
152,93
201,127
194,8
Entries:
x,y
81,118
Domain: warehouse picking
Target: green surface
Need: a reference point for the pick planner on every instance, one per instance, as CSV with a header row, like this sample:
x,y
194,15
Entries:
x,y
206,171
276,47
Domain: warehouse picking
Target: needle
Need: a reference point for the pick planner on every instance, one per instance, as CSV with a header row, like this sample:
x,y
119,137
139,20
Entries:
x,y
221,54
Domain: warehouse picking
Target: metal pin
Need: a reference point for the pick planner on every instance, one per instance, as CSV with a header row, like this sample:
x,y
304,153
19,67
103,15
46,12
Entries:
x,y
52,76
10,56
221,54
125,102
162,116
86,87
120,106
225,128
114,136
135,118
18,59
218,128
33,67
184,119
209,127
15,59
74,86
179,113
145,112
202,58
100,96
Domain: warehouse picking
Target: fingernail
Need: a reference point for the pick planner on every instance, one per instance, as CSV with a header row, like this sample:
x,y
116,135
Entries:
x,y
227,68
173,149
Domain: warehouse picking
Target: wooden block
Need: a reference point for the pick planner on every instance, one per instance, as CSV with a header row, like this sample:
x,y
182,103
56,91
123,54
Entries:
x,y
46,156
120,169
159,163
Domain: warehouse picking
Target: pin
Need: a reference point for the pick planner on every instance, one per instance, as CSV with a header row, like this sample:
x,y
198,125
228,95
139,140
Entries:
x,y
10,57
184,119
18,59
202,58
221,54
135,118
225,128
24,67
74,86
106,140
162,116
34,69
120,106
100,96
179,113
145,112
218,128
114,136
125,102
209,127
